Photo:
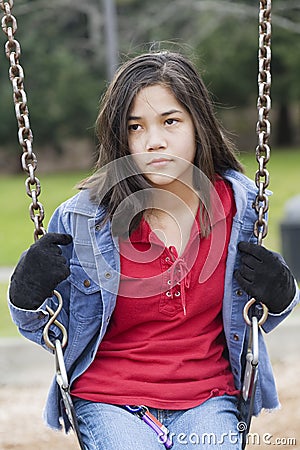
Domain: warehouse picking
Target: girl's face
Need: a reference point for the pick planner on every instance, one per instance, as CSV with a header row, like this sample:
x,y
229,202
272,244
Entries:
x,y
161,136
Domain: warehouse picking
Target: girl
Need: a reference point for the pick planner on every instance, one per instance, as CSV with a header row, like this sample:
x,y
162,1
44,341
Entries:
x,y
146,259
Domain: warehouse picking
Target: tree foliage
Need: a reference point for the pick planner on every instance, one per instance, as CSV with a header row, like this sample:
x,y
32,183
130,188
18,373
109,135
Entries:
x,y
64,55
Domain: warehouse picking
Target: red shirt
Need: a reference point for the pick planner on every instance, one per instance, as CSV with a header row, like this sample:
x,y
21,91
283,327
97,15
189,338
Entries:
x,y
165,346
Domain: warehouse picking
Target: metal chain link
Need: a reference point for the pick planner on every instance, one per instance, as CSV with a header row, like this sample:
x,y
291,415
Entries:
x,y
28,158
261,204
25,135
263,130
33,189
263,126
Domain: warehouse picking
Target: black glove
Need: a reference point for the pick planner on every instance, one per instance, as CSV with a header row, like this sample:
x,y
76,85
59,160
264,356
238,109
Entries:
x,y
263,276
39,271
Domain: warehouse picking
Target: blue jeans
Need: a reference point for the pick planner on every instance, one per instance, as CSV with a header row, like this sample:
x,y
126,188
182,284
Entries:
x,y
214,425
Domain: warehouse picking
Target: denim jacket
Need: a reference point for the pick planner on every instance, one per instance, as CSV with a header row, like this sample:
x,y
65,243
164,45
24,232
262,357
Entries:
x,y
89,294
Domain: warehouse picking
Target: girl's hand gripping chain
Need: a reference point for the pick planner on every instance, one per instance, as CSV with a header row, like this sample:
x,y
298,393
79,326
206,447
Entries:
x,y
39,271
263,276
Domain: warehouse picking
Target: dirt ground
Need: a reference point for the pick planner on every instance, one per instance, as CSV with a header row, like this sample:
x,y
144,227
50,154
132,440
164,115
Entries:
x,y
26,371
22,428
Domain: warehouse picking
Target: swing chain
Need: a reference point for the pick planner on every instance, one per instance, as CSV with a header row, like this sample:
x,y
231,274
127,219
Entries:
x,y
33,189
261,203
263,126
263,130
25,135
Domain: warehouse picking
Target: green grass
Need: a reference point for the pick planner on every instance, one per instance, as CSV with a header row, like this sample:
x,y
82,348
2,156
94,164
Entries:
x,y
284,168
16,228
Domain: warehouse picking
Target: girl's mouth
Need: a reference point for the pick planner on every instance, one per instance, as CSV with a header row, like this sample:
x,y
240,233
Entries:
x,y
159,162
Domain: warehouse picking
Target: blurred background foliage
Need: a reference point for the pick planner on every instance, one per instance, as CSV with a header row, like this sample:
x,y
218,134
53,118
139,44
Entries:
x,y
65,56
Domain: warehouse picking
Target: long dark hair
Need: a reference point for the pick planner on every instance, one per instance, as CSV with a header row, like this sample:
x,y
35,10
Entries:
x,y
112,184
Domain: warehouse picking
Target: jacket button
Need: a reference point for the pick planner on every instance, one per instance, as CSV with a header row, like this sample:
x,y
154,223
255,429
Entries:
x,y
86,283
236,337
215,392
98,227
239,292
107,275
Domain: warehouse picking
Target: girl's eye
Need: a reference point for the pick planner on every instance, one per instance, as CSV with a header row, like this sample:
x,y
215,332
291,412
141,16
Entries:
x,y
171,121
134,127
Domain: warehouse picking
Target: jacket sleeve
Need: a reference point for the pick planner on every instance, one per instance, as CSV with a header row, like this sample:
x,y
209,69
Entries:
x,y
31,323
275,319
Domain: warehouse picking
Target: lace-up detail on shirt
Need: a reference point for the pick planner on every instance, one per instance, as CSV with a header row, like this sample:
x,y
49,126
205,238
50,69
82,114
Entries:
x,y
180,277
166,329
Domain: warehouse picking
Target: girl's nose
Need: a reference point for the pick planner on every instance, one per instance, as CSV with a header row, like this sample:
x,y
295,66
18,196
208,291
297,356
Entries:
x,y
155,141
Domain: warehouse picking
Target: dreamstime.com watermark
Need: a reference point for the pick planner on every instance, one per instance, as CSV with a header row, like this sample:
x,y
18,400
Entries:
x,y
230,438
269,439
